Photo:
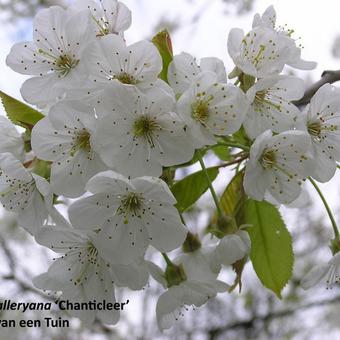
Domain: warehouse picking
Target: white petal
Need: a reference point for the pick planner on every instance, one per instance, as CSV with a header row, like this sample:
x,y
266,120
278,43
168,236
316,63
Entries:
x,y
91,212
109,182
181,72
168,305
154,189
324,165
122,243
58,239
24,58
314,276
230,249
234,42
165,228
41,91
135,276
145,61
214,65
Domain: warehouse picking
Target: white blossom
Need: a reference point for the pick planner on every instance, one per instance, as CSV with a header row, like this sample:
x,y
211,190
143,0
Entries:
x,y
140,133
55,57
108,16
198,284
130,215
271,106
262,52
268,19
321,119
184,68
23,192
232,248
328,272
211,108
10,139
278,165
80,273
65,138
111,60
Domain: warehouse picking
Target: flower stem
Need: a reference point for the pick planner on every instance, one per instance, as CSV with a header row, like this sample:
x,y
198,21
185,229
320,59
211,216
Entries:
x,y
329,212
166,258
235,161
236,145
212,190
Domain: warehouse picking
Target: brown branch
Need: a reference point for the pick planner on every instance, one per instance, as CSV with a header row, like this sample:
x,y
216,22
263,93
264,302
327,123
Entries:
x,y
246,324
326,77
236,161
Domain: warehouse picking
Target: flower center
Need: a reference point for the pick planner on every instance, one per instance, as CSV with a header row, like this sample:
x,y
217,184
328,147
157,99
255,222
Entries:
x,y
65,63
200,111
262,98
103,26
89,258
126,78
131,203
175,275
92,253
314,129
268,159
145,127
82,142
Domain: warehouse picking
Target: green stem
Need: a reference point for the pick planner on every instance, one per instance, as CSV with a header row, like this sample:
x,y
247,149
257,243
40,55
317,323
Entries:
x,y
329,212
338,166
166,258
212,190
236,145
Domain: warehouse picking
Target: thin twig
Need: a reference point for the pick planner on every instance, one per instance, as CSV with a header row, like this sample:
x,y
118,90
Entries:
x,y
214,332
326,77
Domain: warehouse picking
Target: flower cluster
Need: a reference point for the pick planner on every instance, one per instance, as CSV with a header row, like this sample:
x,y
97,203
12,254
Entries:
x,y
114,130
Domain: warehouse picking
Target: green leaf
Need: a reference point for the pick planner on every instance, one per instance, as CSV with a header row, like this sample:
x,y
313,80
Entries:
x,y
163,43
241,137
271,245
222,152
188,190
20,113
231,203
233,196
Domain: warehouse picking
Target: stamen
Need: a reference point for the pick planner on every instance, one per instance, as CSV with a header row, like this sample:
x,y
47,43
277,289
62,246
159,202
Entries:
x,y
126,78
200,109
261,98
145,127
82,142
268,159
65,64
131,203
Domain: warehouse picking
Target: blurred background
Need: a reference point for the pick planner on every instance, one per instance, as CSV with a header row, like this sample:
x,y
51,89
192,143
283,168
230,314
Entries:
x,y
199,27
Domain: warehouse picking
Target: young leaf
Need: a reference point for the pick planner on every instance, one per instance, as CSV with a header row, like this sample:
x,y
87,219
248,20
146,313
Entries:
x,y
20,113
271,245
222,152
233,195
231,202
188,190
163,43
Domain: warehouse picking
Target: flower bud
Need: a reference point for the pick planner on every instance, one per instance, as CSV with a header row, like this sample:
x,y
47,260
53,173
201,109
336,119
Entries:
x,y
335,245
174,274
191,243
227,225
